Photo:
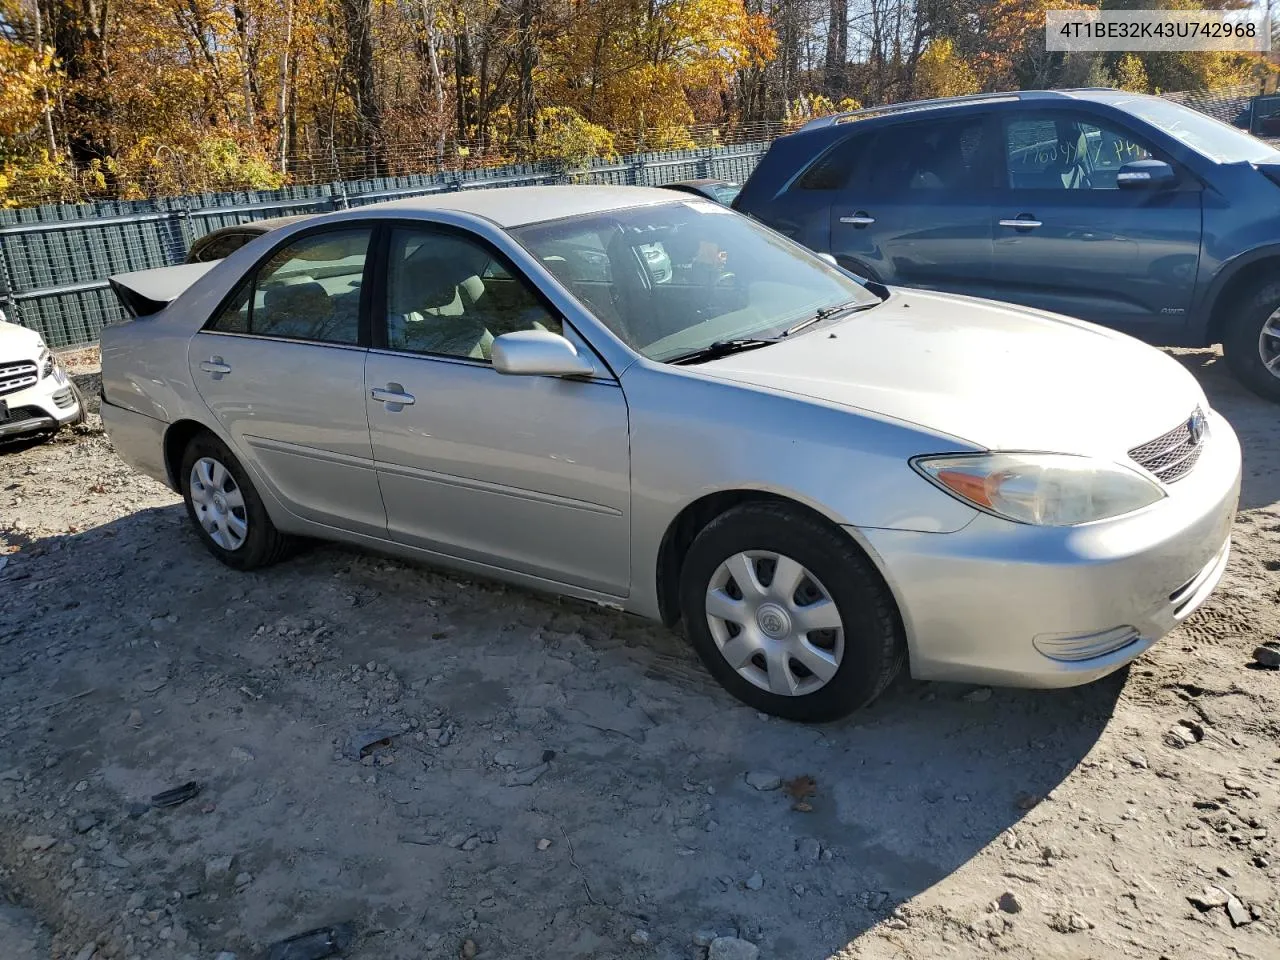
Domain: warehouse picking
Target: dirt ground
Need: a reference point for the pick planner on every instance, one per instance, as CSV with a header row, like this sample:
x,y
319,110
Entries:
x,y
563,782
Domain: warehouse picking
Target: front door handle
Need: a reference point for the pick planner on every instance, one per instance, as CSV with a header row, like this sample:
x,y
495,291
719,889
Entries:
x,y
1023,222
859,219
215,366
392,393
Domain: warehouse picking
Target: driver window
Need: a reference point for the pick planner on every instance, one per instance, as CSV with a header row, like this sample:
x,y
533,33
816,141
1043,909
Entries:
x,y
450,296
1067,154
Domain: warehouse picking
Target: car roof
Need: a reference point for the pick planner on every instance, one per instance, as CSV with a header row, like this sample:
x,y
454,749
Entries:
x,y
519,206
704,182
1100,94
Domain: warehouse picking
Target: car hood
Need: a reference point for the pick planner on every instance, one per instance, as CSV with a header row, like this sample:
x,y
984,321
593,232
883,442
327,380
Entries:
x,y
995,375
18,343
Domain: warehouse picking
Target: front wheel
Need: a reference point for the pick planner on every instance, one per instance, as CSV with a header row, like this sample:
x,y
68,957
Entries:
x,y
225,509
1251,341
788,614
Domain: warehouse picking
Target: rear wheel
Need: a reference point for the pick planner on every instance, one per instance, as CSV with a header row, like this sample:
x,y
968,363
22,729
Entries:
x,y
226,510
1251,341
788,614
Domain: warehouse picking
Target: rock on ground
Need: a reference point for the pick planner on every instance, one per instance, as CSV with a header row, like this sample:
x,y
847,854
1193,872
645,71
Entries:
x,y
131,662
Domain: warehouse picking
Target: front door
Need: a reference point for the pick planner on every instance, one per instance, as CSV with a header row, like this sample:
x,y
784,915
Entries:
x,y
281,367
1068,240
918,212
529,474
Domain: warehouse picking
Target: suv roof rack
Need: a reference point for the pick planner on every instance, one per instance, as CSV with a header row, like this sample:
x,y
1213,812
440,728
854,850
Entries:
x,y
910,106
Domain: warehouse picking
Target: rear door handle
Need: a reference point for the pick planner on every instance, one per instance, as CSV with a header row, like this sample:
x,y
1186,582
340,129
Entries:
x,y
215,366
1021,223
392,393
859,219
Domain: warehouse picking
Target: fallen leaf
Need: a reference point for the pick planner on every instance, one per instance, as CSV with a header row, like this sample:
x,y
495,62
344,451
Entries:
x,y
802,787
802,807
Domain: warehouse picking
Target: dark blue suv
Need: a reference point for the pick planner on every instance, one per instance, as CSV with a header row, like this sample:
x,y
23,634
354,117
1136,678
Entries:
x,y
1130,211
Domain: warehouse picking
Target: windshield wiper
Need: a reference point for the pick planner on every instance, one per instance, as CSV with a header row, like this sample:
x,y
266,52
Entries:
x,y
722,348
826,313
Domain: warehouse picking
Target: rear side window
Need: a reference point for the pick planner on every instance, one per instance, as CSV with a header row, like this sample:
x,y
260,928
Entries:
x,y
930,157
309,290
834,169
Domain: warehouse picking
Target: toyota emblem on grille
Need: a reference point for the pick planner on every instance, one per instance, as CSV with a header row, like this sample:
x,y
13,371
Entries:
x,y
1196,427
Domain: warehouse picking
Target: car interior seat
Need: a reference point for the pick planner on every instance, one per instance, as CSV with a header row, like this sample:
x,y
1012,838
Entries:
x,y
427,311
297,307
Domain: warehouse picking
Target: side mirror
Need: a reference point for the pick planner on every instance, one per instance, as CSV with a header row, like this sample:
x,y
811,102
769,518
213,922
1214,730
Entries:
x,y
1145,175
538,353
829,258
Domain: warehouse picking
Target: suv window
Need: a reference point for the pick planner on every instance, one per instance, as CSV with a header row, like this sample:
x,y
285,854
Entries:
x,y
451,296
309,290
1065,153
929,156
834,169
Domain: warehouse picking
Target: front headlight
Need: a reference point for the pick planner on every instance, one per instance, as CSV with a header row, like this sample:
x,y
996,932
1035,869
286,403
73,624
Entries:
x,y
1046,489
45,362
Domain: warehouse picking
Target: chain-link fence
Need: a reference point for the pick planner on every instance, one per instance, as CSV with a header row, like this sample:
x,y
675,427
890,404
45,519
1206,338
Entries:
x,y
55,259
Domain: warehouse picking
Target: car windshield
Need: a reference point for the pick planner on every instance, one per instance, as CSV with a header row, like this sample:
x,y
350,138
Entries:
x,y
1199,131
725,192
674,278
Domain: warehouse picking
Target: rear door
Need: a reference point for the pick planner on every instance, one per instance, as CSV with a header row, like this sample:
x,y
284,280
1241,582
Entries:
x,y
919,211
1070,241
281,367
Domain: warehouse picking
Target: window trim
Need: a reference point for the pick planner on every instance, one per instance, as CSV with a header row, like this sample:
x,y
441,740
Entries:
x,y
1187,180
250,279
378,334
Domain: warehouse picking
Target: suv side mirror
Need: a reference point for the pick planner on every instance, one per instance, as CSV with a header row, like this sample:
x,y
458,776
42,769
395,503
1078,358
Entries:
x,y
538,353
1145,175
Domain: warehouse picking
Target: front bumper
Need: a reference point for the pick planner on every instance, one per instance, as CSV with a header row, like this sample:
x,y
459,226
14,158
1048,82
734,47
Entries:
x,y
46,405
979,605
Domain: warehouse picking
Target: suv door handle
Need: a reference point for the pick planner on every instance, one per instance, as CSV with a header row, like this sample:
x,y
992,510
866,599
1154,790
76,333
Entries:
x,y
393,393
859,219
215,366
1021,223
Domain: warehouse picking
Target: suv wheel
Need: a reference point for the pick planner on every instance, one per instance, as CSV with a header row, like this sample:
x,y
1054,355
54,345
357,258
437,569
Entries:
x,y
788,614
1251,341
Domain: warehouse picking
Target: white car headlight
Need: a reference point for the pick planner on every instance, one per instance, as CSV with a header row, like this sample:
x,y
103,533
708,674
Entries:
x,y
44,361
1046,489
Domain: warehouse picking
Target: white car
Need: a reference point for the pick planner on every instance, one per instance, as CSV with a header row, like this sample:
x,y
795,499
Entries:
x,y
36,395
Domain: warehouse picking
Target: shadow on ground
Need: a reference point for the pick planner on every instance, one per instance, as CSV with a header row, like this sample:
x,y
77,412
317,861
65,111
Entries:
x,y
645,776
1254,420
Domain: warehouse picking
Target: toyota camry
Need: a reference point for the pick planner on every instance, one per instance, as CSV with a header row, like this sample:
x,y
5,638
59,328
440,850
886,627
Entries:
x,y
822,477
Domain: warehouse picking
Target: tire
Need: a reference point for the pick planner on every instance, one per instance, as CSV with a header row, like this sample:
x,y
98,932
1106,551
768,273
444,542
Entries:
x,y
253,542
867,650
1242,340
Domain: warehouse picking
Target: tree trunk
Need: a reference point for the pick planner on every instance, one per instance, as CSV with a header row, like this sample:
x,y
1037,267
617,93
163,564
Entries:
x,y
837,49
358,67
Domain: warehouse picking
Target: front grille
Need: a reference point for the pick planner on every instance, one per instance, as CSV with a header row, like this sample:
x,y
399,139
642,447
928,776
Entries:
x,y
17,414
18,376
1171,456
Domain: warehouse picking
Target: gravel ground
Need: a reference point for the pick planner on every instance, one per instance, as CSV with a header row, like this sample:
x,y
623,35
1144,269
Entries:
x,y
556,781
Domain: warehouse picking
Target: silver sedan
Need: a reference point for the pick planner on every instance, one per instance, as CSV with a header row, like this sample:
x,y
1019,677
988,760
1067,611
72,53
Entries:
x,y
824,478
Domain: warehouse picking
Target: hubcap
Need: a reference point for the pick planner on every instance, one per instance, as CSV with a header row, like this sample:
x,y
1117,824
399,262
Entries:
x,y
775,623
219,504
1269,344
